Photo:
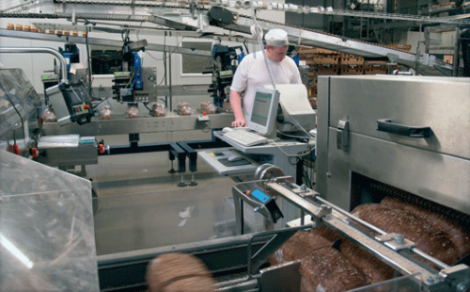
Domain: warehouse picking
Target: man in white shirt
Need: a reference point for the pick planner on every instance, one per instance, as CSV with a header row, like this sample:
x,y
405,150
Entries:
x,y
252,73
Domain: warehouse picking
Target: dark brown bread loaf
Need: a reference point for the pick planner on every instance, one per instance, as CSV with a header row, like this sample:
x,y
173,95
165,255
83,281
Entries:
x,y
457,233
166,271
374,270
327,233
330,269
298,247
427,238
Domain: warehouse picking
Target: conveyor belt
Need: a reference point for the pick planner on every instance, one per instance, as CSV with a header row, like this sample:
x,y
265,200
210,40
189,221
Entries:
x,y
143,11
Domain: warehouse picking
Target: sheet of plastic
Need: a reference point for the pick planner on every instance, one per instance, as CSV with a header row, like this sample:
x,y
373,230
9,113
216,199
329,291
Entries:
x,y
47,238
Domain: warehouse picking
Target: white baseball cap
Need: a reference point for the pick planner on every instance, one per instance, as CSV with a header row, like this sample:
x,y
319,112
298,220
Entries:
x,y
276,37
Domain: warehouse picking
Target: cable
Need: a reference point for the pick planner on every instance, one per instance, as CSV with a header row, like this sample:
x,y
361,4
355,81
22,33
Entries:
x,y
259,36
89,65
246,47
292,136
145,104
291,155
255,32
132,86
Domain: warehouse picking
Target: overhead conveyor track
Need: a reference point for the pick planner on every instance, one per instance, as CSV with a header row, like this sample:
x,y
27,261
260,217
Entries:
x,y
143,11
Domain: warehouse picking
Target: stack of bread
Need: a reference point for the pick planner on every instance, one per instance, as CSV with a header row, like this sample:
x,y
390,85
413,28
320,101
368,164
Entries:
x,y
158,110
132,112
349,266
106,112
208,107
184,109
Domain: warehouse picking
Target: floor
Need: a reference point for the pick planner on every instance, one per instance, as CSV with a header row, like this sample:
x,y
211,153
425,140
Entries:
x,y
140,204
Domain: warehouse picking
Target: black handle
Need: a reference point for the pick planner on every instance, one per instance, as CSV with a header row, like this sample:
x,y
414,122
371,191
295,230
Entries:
x,y
403,130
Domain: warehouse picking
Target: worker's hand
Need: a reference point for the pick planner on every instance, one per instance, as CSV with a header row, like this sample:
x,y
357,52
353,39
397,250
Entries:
x,y
239,123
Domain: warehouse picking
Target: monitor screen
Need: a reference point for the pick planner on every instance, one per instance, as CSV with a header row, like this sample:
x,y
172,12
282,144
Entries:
x,y
264,110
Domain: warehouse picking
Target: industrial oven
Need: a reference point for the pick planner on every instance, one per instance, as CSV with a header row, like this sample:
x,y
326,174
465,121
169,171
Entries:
x,y
398,134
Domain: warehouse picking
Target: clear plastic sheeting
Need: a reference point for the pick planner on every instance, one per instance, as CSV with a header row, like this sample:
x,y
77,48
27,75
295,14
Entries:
x,y
46,229
15,88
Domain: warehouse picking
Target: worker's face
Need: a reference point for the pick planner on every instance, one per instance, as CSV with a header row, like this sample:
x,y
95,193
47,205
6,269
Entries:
x,y
277,54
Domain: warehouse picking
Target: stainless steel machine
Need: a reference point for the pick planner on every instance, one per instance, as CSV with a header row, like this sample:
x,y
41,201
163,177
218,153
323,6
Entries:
x,y
404,132
238,258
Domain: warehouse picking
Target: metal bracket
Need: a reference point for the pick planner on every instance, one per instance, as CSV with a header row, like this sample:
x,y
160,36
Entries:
x,y
342,135
395,241
457,277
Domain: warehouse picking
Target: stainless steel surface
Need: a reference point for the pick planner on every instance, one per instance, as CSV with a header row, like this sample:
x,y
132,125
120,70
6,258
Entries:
x,y
70,156
406,100
347,214
145,124
183,90
342,135
430,258
149,91
274,278
434,168
63,64
268,171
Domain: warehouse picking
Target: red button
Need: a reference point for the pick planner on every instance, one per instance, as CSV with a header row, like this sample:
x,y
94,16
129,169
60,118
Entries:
x,y
87,106
78,109
204,114
16,149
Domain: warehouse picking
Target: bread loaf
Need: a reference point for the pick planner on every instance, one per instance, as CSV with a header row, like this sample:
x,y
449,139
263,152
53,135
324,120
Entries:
x,y
457,234
327,233
298,247
427,238
375,270
176,272
331,270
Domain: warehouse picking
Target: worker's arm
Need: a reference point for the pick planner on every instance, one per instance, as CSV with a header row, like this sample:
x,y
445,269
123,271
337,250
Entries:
x,y
236,103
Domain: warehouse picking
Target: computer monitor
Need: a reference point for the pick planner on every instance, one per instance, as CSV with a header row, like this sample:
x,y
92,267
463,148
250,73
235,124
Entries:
x,y
264,111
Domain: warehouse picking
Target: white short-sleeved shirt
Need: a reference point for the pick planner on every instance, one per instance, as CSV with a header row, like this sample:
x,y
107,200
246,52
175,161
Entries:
x,y
252,73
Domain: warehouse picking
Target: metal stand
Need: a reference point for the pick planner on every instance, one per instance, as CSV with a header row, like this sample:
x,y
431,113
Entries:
x,y
182,184
192,183
172,170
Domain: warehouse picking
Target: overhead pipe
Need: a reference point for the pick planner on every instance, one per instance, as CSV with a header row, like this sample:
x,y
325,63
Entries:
x,y
56,53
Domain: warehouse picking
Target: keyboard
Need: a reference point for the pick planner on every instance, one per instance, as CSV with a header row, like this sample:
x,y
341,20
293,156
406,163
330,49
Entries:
x,y
246,138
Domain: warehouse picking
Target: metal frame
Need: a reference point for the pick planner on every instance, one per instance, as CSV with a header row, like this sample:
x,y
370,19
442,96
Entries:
x,y
199,21
455,47
456,278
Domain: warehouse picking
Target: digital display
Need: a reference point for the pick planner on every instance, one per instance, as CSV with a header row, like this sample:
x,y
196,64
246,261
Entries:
x,y
261,105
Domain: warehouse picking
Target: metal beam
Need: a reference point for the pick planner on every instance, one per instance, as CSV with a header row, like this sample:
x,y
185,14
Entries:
x,y
120,125
297,35
100,42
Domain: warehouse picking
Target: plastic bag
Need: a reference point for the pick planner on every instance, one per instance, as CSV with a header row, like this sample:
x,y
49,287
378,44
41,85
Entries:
x,y
48,116
132,112
106,112
208,107
184,109
158,110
